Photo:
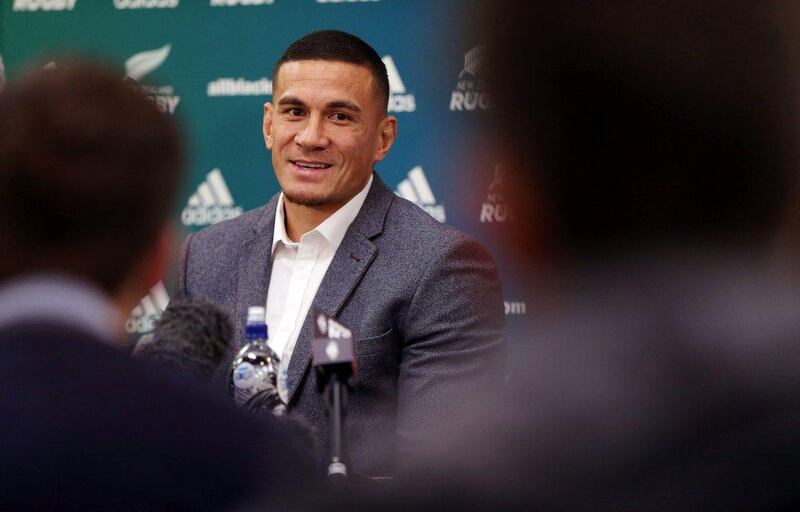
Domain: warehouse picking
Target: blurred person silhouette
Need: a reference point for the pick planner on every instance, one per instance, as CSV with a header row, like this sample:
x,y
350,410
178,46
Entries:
x,y
652,147
89,172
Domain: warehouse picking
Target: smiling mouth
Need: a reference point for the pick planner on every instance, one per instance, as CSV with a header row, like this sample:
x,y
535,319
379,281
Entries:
x,y
311,165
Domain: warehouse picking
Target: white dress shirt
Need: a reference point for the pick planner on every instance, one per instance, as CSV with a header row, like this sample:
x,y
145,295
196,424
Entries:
x,y
297,271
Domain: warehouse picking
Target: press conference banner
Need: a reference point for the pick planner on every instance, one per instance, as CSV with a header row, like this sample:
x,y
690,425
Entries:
x,y
211,63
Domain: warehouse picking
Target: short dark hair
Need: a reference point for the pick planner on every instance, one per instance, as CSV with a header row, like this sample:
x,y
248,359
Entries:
x,y
89,172
334,45
648,121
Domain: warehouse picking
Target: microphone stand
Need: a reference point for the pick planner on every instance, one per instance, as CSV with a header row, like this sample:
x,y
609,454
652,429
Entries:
x,y
333,357
335,400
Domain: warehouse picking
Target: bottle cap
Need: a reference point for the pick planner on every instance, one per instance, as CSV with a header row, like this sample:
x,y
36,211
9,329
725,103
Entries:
x,y
256,315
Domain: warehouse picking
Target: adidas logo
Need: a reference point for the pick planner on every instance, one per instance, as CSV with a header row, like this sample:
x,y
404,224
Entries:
x,y
234,3
144,316
44,5
144,63
211,203
496,207
417,190
470,93
399,101
146,4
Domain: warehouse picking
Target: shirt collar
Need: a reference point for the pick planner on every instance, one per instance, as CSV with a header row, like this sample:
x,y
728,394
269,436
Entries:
x,y
59,298
332,229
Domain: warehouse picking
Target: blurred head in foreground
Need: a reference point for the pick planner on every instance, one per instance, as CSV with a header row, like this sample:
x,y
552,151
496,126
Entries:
x,y
637,126
89,170
652,145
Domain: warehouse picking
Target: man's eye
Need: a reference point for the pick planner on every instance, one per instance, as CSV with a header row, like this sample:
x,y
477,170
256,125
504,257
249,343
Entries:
x,y
340,116
294,112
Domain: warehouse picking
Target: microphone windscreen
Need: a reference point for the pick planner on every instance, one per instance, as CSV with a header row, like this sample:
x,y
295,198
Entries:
x,y
192,336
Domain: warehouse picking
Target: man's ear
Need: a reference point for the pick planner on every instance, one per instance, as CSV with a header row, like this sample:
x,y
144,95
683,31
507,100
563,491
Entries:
x,y
268,111
387,133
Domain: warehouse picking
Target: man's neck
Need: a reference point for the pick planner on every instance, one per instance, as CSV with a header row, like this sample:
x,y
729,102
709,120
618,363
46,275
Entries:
x,y
302,219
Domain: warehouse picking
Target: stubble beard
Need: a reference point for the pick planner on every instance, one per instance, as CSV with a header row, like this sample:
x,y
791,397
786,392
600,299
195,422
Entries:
x,y
310,201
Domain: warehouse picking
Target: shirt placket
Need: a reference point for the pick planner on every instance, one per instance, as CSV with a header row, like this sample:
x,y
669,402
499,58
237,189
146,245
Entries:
x,y
305,259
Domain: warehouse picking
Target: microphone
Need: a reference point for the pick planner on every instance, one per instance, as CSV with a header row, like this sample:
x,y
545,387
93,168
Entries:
x,y
333,358
191,336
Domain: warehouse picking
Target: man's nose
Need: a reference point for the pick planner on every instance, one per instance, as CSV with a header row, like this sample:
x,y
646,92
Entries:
x,y
312,136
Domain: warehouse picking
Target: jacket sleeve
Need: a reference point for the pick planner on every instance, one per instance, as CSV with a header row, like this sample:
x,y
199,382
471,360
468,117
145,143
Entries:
x,y
453,355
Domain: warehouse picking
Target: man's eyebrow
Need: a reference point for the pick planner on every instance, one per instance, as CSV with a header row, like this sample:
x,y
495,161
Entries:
x,y
291,100
348,105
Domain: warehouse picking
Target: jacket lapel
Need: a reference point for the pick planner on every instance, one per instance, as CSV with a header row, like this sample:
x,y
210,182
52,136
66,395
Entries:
x,y
351,261
254,269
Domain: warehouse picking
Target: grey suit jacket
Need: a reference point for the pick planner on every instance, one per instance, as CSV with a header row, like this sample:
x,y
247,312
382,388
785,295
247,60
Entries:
x,y
422,298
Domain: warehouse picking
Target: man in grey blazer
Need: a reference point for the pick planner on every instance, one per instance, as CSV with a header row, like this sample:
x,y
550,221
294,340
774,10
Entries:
x,y
422,299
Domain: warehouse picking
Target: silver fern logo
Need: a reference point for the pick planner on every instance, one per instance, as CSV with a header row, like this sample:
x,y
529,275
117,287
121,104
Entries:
x,y
496,207
470,93
142,64
399,100
417,190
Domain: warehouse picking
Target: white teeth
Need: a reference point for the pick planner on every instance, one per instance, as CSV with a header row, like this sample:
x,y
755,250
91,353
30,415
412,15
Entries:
x,y
312,166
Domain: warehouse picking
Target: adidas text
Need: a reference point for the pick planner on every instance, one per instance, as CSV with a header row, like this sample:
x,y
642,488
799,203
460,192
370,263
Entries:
x,y
435,210
234,3
402,103
206,215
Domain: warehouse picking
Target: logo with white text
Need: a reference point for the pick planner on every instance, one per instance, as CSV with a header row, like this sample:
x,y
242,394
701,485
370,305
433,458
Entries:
x,y
417,190
43,5
146,314
515,307
496,208
470,93
211,203
146,4
236,3
144,63
399,99
239,87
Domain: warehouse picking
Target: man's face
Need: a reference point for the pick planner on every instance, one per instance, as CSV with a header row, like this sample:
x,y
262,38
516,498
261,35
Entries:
x,y
326,129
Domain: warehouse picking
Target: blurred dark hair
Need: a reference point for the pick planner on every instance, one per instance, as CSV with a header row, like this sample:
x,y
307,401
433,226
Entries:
x,y
646,122
334,45
89,172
